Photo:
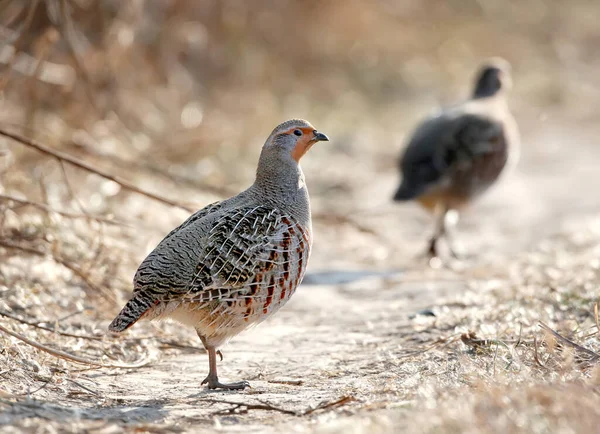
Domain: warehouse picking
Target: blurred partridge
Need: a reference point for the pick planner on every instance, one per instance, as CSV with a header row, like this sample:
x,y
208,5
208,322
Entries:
x,y
455,156
234,263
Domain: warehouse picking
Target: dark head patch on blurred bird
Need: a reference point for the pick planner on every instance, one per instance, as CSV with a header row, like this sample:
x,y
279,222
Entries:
x,y
493,77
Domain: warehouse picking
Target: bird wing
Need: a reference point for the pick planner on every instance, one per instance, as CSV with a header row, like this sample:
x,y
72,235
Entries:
x,y
208,209
162,267
242,243
443,143
474,136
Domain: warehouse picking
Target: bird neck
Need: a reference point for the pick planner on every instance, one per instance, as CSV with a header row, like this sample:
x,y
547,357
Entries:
x,y
487,87
279,179
486,92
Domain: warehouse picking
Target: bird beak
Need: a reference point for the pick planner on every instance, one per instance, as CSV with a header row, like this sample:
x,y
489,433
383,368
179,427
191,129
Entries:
x,y
319,137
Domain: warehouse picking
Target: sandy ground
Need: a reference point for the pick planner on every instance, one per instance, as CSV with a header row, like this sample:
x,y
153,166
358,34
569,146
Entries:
x,y
370,342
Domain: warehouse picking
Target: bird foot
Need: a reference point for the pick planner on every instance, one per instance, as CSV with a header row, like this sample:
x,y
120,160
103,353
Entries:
x,y
456,255
431,255
459,254
212,381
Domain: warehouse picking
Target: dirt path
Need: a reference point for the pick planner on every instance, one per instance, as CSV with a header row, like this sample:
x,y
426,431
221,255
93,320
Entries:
x,y
366,341
343,342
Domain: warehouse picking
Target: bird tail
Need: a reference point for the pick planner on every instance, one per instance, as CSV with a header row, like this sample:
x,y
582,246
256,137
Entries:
x,y
405,193
131,312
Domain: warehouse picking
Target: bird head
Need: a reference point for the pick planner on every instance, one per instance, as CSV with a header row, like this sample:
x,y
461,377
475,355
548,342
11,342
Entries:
x,y
293,139
493,77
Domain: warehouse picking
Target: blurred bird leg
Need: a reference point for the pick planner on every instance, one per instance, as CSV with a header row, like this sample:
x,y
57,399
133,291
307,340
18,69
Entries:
x,y
450,222
439,230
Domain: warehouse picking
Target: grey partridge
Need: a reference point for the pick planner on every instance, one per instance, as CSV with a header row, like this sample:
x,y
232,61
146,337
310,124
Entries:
x,y
236,262
456,155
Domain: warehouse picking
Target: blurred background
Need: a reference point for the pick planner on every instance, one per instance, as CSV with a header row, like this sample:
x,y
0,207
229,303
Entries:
x,y
177,97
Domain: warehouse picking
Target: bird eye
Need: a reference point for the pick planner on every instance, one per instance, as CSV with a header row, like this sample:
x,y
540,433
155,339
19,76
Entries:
x,y
297,133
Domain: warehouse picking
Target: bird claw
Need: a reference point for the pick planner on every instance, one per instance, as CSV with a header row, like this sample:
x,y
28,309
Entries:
x,y
220,355
213,383
431,255
456,255
434,259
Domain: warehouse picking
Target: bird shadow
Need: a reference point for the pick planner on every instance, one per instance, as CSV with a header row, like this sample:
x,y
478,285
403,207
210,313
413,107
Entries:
x,y
340,277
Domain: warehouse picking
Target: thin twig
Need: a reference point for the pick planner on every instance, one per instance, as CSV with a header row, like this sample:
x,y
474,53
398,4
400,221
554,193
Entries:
x,y
37,325
325,405
246,406
155,169
288,382
85,166
49,209
68,32
9,245
593,356
70,357
67,316
17,45
87,389
596,317
535,353
519,338
70,189
471,339
495,357
46,382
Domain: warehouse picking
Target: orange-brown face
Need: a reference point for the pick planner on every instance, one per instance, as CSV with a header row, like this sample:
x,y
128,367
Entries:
x,y
306,137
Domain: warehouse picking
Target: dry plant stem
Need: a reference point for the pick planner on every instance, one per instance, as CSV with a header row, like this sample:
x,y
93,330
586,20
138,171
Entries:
x,y
596,318
167,344
87,389
67,31
17,46
593,356
156,170
46,382
37,325
325,405
66,264
82,165
269,407
70,357
41,55
536,354
44,207
288,382
245,407
470,339
70,187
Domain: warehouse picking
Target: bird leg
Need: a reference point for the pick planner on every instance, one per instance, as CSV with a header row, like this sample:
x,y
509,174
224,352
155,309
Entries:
x,y
450,221
438,232
445,220
432,250
212,380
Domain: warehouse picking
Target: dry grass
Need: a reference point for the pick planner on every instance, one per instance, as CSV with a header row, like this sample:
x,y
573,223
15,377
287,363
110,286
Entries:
x,y
174,99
